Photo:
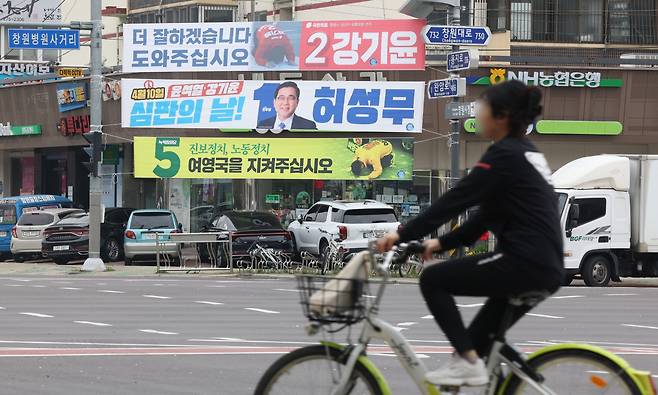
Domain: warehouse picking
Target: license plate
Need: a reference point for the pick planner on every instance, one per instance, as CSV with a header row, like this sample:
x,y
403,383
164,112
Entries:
x,y
60,248
3,234
28,233
148,236
374,234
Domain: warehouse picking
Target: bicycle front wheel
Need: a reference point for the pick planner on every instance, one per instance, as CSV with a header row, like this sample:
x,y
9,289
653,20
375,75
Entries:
x,y
576,372
314,370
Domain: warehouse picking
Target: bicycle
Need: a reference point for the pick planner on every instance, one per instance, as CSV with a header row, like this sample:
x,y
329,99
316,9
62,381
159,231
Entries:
x,y
333,255
411,267
332,368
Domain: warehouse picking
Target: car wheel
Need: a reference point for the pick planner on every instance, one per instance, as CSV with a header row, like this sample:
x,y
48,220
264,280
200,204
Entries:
x,y
19,258
127,261
596,271
112,250
61,261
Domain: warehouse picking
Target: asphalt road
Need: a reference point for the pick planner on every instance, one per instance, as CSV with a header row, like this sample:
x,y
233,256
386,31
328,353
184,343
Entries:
x,y
172,335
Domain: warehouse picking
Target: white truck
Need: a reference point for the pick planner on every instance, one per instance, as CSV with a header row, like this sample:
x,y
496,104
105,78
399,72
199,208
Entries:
x,y
609,213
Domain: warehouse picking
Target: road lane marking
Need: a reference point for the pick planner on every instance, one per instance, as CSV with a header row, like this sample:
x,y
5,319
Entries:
x,y
14,285
544,316
38,286
216,286
427,317
640,326
92,323
406,323
2,308
261,310
109,291
568,297
470,305
232,340
620,294
156,297
70,288
285,290
157,332
36,315
209,302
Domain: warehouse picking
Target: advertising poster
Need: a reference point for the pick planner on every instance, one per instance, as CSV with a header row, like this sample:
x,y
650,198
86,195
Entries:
x,y
350,106
275,158
71,96
285,46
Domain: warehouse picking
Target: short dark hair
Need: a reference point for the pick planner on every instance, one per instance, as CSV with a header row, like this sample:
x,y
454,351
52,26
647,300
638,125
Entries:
x,y
287,84
357,167
516,101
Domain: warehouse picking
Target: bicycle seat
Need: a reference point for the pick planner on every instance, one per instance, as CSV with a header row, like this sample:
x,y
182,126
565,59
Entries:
x,y
530,299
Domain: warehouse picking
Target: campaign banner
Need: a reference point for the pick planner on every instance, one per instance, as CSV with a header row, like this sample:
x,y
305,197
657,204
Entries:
x,y
274,158
395,44
349,106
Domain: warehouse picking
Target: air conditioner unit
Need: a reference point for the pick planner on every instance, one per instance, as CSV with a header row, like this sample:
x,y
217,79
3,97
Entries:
x,y
640,56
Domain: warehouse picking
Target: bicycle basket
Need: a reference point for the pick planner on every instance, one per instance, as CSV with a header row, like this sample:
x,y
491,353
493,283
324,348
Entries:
x,y
332,300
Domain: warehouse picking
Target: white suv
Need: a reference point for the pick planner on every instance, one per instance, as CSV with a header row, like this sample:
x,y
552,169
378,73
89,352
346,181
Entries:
x,y
351,222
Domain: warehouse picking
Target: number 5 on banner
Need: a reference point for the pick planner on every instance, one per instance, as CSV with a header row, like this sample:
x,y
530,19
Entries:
x,y
171,157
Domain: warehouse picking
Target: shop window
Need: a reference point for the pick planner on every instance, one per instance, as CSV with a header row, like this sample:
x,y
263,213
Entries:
x,y
590,209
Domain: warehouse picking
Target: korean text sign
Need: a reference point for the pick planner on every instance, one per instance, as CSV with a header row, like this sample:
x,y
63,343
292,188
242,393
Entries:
x,y
44,38
274,158
350,106
71,96
262,46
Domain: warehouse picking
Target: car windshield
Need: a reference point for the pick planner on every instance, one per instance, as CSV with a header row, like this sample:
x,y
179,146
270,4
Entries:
x,y
254,221
369,216
152,221
7,214
35,219
75,219
561,202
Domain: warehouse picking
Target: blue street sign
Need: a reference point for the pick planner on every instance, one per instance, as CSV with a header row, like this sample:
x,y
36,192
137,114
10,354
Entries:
x,y
451,87
462,60
456,35
44,39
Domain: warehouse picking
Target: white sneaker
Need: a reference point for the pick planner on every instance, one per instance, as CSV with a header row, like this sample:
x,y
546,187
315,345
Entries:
x,y
459,372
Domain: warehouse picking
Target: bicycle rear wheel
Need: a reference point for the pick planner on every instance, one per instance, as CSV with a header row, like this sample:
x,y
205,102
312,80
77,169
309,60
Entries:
x,y
576,372
314,370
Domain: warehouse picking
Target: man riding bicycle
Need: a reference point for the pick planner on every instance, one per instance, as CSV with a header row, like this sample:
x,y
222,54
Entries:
x,y
511,185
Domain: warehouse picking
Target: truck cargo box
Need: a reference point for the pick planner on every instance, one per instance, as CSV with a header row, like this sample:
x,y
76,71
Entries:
x,y
644,202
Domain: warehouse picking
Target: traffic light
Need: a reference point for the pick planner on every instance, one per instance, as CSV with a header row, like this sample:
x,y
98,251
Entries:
x,y
94,151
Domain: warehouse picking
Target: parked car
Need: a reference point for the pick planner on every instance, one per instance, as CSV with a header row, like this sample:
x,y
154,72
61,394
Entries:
x,y
247,228
12,208
112,230
201,216
67,240
352,223
27,235
140,234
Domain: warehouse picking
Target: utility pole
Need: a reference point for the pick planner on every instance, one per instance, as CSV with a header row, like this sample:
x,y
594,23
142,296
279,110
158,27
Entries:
x,y
455,171
94,261
252,16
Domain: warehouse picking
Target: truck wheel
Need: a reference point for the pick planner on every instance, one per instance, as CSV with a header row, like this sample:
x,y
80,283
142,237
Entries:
x,y
596,271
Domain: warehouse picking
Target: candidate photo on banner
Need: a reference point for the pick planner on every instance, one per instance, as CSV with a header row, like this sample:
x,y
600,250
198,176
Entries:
x,y
275,46
241,105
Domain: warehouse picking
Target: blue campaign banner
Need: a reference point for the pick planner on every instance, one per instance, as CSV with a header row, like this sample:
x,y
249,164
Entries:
x,y
71,96
44,39
347,106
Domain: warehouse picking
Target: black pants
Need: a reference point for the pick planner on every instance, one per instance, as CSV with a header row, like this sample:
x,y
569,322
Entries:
x,y
494,275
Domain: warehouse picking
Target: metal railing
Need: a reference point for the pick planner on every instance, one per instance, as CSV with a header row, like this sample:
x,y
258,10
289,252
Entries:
x,y
194,252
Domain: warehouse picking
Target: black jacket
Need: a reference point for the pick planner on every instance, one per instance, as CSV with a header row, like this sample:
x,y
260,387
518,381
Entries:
x,y
511,185
298,123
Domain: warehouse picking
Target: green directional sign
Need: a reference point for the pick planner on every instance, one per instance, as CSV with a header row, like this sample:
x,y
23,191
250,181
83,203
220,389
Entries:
x,y
273,199
564,127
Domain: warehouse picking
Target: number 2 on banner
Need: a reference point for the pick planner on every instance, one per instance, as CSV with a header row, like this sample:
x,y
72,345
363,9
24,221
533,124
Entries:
x,y
313,58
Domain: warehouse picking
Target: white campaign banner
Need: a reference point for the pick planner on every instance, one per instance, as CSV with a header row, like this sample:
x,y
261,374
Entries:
x,y
350,106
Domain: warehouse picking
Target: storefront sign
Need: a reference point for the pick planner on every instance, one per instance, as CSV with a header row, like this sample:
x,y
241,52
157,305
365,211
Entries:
x,y
261,46
9,130
31,11
71,95
74,125
13,70
574,79
346,106
70,72
273,199
275,158
564,127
